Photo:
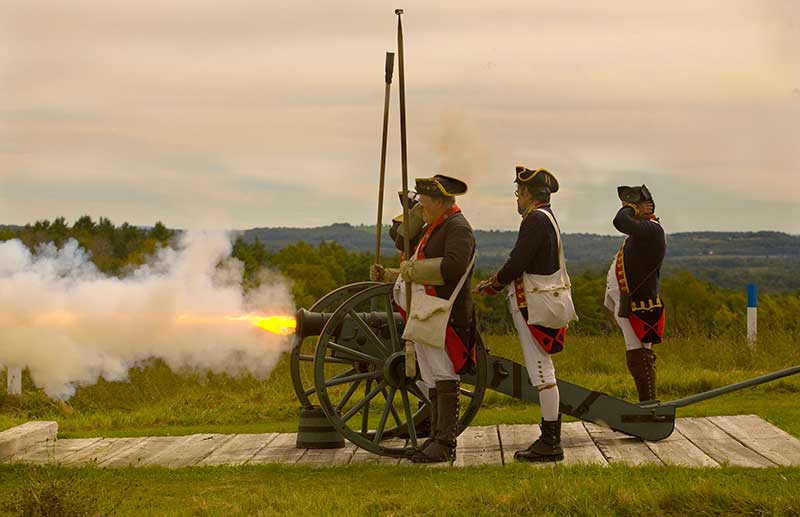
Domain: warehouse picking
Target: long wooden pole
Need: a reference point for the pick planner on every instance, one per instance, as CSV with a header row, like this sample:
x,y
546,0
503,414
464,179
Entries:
x,y
389,70
411,360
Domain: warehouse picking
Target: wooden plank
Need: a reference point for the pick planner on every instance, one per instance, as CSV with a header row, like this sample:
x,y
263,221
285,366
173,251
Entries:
x,y
188,452
579,448
238,449
99,451
26,437
363,456
678,450
57,453
139,451
517,437
620,448
478,446
766,439
718,444
280,450
328,457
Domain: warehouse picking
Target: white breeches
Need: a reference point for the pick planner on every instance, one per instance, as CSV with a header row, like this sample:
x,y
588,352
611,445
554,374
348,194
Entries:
x,y
540,366
434,365
631,341
612,303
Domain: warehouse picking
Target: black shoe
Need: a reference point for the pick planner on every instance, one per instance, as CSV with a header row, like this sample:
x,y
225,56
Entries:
x,y
547,447
442,447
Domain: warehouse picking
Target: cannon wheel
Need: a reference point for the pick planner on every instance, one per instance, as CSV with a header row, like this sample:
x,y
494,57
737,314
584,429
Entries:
x,y
301,358
378,371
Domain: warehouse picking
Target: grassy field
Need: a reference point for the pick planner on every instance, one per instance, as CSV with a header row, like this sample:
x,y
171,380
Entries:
x,y
374,490
159,401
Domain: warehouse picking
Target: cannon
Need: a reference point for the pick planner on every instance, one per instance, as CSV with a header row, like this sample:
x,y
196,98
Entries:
x,y
354,371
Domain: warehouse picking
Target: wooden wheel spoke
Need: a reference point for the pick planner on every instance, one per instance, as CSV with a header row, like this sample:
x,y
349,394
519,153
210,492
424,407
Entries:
x,y
385,415
355,353
393,410
352,378
368,331
355,409
394,333
365,413
328,359
413,388
412,431
345,373
350,391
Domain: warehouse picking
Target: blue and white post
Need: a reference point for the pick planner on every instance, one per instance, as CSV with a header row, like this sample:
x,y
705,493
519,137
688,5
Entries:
x,y
752,314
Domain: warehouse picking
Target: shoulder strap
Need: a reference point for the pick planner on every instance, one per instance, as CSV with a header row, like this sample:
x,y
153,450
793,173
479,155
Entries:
x,y
463,279
562,261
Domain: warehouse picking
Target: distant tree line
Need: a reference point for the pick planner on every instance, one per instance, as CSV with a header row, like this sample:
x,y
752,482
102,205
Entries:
x,y
694,307
113,248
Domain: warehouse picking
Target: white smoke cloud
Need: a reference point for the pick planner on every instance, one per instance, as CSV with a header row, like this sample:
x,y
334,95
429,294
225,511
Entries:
x,y
70,324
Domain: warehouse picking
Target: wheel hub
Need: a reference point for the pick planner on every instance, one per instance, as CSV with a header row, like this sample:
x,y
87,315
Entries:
x,y
394,370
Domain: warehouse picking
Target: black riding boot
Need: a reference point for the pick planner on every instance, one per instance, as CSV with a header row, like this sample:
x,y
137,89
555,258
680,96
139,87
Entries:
x,y
547,447
442,446
642,365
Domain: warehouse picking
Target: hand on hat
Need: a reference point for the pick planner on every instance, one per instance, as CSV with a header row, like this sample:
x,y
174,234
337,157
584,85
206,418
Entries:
x,y
647,208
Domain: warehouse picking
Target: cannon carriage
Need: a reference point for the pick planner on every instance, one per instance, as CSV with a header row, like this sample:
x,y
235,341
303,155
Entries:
x,y
348,362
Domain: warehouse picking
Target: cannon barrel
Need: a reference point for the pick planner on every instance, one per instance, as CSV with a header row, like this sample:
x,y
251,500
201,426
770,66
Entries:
x,y
311,323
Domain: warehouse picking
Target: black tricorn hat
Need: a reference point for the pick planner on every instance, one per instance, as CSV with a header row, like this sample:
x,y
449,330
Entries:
x,y
634,194
536,178
440,186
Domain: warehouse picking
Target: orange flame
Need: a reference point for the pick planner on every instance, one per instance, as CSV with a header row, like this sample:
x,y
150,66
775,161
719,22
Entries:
x,y
282,325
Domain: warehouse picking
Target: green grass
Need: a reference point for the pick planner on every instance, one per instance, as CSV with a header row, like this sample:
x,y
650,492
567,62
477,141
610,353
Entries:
x,y
371,490
158,401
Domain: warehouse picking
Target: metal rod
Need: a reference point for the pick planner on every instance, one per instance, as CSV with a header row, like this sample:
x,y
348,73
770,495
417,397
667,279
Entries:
x,y
727,389
411,362
389,70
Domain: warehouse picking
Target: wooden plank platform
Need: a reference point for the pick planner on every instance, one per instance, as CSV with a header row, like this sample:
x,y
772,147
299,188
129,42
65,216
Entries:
x,y
722,447
620,448
710,442
238,450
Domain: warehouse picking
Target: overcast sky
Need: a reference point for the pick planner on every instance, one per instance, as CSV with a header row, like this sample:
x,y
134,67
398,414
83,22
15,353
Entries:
x,y
263,113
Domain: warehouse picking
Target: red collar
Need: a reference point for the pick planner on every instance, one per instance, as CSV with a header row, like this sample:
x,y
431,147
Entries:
x,y
428,231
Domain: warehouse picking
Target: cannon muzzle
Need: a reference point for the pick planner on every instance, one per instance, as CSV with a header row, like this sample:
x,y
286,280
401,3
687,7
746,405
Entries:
x,y
311,323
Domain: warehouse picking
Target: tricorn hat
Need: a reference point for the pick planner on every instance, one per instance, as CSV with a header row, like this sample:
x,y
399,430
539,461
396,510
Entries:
x,y
440,186
536,178
634,194
412,198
